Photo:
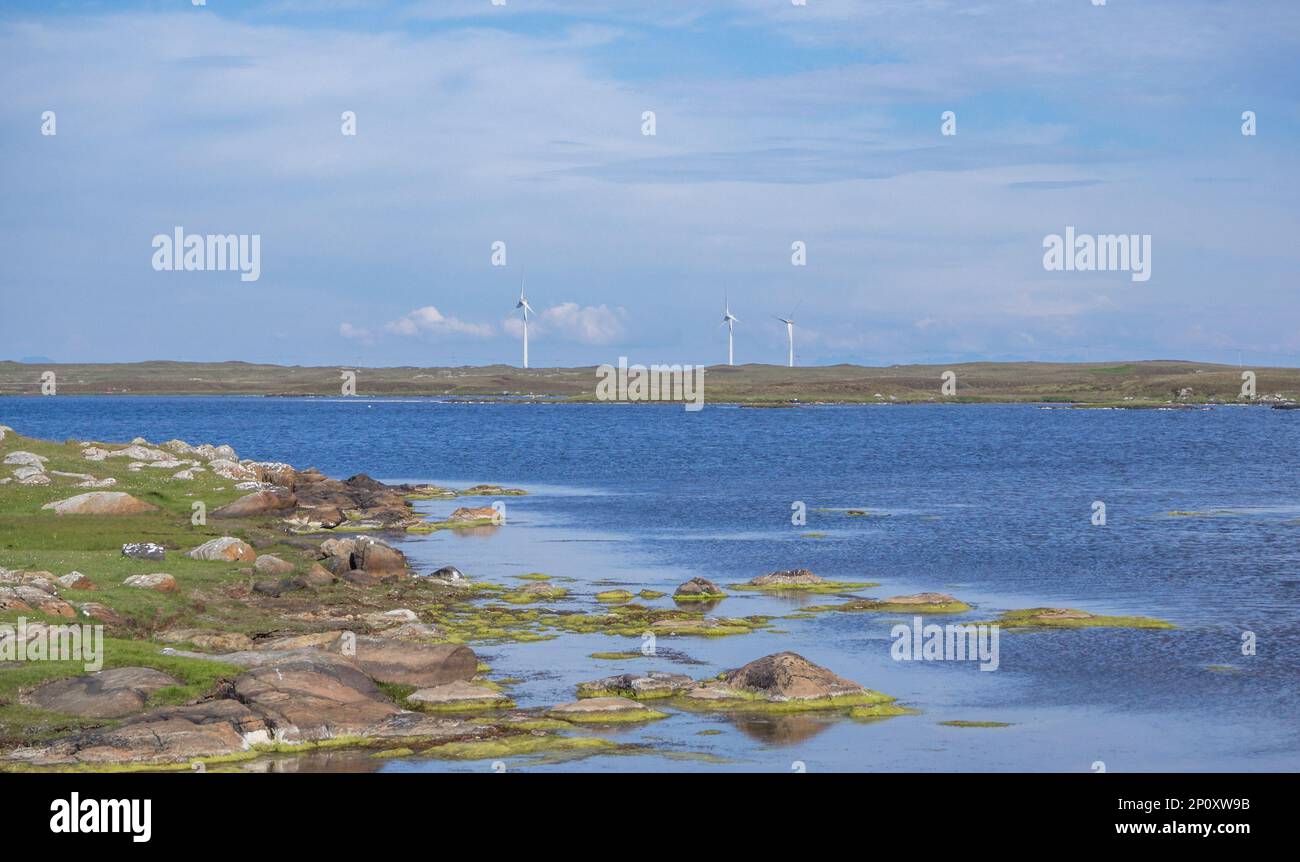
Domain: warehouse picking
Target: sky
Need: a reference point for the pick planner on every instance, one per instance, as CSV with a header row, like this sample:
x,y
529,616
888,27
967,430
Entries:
x,y
525,124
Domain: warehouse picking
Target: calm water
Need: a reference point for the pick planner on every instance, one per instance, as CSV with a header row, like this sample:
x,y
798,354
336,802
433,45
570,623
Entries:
x,y
991,503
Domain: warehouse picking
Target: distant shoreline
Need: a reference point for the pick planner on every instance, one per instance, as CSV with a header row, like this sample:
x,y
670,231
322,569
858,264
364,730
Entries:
x,y
1148,383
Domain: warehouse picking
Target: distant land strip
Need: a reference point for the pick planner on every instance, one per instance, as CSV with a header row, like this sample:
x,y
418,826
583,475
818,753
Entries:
x,y
1149,383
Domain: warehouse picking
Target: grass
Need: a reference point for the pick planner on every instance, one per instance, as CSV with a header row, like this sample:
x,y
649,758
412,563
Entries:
x,y
1121,384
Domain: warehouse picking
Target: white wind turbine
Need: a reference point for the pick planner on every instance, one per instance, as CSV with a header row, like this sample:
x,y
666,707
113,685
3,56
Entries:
x,y
789,332
526,308
729,320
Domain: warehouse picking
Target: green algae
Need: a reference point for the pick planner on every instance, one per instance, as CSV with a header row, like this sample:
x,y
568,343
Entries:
x,y
1031,618
880,710
625,716
739,701
533,576
824,587
616,656
959,723
517,745
699,597
651,594
614,596
876,606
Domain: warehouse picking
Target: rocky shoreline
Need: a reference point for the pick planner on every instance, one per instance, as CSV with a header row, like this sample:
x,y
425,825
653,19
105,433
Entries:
x,y
287,619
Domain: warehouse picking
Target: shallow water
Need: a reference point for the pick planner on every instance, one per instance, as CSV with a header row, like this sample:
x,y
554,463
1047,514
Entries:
x,y
990,503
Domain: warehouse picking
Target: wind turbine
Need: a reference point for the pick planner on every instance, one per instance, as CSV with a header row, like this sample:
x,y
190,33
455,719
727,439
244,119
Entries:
x,y
789,334
523,304
789,331
729,320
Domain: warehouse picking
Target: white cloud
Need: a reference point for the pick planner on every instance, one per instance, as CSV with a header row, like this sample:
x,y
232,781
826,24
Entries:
x,y
587,324
357,333
432,321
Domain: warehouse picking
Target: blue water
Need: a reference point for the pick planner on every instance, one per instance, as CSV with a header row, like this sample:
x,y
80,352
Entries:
x,y
990,503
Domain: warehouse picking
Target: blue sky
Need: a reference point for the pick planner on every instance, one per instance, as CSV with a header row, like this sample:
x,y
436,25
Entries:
x,y
775,123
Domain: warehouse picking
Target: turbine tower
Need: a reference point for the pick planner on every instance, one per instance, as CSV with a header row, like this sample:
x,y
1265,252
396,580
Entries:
x,y
523,305
729,320
789,334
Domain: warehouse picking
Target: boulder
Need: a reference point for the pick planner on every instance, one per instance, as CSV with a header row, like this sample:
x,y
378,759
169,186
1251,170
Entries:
x,y
75,581
26,459
209,729
144,551
227,469
312,698
637,686
27,597
32,478
107,482
100,503
473,513
159,581
378,558
698,589
106,694
277,587
101,612
257,503
792,577
459,695
24,473
208,639
408,663
226,548
268,564
785,676
137,452
604,709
